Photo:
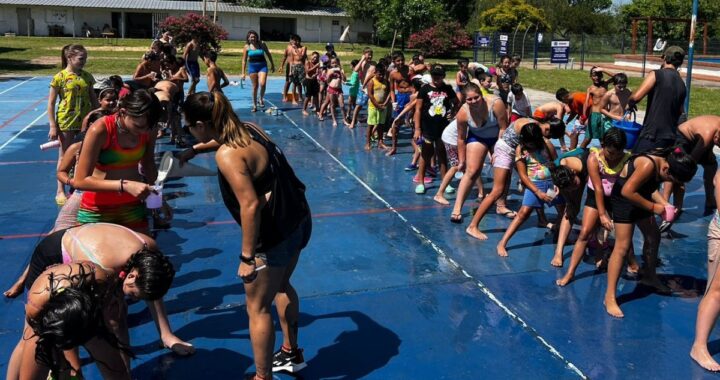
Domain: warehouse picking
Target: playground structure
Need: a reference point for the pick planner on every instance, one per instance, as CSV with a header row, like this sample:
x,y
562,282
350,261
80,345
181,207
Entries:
x,y
650,21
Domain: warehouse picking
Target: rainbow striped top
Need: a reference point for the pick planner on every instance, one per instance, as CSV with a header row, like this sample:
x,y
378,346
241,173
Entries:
x,y
113,156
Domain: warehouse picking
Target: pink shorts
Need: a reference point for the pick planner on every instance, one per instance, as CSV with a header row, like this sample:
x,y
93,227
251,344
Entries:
x,y
334,91
504,156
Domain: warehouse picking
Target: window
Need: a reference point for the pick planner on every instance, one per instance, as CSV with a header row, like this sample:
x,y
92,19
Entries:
x,y
56,16
336,23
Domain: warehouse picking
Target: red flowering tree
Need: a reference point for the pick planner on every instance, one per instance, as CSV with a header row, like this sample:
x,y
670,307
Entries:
x,y
441,40
182,29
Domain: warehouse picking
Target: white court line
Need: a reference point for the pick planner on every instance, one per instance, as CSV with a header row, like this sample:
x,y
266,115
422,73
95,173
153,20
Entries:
x,y
17,85
22,130
443,255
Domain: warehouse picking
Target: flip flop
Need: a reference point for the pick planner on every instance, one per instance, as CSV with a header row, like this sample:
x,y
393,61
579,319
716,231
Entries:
x,y
420,189
510,214
180,349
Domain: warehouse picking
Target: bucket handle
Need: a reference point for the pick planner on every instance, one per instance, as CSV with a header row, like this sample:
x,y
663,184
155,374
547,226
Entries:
x,y
634,116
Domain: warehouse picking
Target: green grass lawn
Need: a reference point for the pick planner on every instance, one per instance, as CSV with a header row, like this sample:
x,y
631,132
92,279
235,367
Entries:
x,y
41,56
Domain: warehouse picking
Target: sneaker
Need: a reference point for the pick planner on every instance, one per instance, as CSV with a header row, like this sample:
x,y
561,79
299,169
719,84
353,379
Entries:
x,y
449,190
289,362
420,189
411,167
427,179
665,226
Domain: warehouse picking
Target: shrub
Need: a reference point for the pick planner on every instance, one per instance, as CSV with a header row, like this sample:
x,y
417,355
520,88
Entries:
x,y
441,40
182,28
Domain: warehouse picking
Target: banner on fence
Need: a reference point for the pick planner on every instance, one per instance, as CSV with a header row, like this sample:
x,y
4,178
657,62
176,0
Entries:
x,y
503,47
482,41
560,51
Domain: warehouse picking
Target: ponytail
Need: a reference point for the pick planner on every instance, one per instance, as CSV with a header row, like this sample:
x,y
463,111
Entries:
x,y
682,166
233,132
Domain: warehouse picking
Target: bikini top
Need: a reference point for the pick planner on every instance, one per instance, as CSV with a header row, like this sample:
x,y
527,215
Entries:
x,y
113,156
68,258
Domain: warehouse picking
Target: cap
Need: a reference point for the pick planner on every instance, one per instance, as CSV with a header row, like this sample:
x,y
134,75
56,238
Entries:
x,y
674,53
437,70
329,45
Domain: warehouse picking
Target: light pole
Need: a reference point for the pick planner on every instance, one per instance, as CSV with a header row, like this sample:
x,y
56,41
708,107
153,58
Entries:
x,y
691,53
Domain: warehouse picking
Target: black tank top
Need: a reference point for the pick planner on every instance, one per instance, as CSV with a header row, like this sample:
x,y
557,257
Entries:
x,y
646,190
664,106
287,206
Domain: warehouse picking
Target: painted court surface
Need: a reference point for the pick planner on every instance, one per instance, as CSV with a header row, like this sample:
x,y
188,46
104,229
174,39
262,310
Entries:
x,y
389,288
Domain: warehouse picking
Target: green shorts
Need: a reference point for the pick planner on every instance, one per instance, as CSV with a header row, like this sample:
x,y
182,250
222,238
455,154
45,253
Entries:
x,y
376,116
596,126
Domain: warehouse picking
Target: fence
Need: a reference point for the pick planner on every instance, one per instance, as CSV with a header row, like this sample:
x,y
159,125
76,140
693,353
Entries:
x,y
583,48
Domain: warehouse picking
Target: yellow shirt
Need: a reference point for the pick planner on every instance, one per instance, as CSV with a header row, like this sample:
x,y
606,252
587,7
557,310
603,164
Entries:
x,y
380,92
73,90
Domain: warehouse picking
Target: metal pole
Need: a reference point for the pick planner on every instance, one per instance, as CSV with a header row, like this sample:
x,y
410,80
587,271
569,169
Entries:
x,y
215,12
645,54
691,54
535,48
582,51
204,7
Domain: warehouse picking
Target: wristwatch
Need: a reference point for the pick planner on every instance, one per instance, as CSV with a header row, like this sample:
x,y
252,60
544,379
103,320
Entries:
x,y
247,260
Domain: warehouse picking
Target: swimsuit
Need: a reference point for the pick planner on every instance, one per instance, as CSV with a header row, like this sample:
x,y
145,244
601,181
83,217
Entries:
x,y
625,211
111,206
256,61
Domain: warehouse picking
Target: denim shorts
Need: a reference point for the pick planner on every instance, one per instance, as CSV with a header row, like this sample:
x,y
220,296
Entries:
x,y
281,254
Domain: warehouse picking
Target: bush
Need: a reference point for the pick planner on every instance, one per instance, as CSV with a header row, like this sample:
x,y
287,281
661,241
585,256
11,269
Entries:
x,y
441,40
182,28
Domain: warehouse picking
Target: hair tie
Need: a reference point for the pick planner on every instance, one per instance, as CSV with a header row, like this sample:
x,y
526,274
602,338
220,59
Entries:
x,y
122,275
678,150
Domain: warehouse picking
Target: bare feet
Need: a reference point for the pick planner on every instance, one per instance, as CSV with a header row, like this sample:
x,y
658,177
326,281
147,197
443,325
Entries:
x,y
368,147
305,113
334,123
502,251
557,260
612,308
440,199
347,124
565,280
294,102
391,152
475,232
351,126
381,145
178,346
15,290
701,355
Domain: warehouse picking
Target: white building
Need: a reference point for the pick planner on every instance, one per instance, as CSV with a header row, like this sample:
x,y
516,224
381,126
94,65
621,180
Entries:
x,y
139,19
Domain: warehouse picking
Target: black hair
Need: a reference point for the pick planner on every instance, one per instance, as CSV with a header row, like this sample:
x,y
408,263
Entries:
x,y
562,176
415,58
397,54
561,94
557,128
531,137
517,57
615,138
142,102
354,62
503,57
257,37
472,87
417,83
619,78
380,67
70,318
116,81
463,61
211,55
151,56
155,273
682,166
516,89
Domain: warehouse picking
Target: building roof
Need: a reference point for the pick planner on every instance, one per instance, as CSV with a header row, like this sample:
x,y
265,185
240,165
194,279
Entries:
x,y
163,5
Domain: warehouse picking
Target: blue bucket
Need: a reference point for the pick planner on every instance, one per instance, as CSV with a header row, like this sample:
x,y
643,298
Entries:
x,y
631,128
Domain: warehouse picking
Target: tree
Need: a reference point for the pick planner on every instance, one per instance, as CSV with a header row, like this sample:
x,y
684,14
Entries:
x,y
444,39
361,9
184,27
709,10
510,14
408,16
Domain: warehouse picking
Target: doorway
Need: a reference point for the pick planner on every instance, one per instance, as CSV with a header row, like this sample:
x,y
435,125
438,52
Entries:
x,y
139,25
26,25
277,28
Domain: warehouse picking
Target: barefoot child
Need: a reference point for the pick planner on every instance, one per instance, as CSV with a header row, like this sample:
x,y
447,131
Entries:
x,y
593,103
217,80
353,84
74,87
335,79
378,94
534,155
709,308
462,78
312,87
518,103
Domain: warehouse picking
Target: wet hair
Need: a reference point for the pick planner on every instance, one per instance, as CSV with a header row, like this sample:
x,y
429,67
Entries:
x,y
615,138
502,58
557,128
516,89
354,62
211,55
116,81
531,137
472,87
478,72
155,273
140,103
380,67
70,50
398,54
107,91
463,61
619,78
415,58
561,94
417,84
295,37
596,73
257,37
151,56
215,107
682,166
70,318
562,176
